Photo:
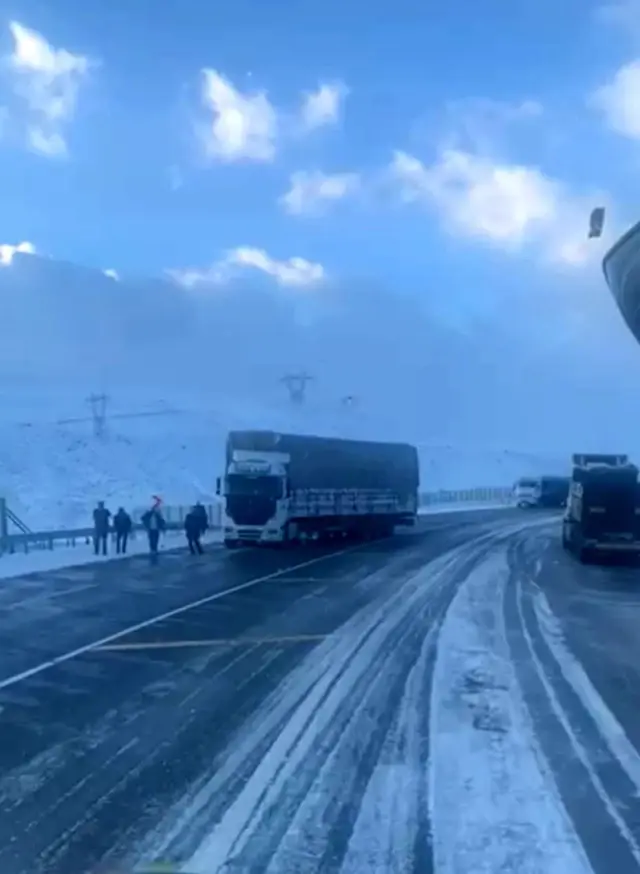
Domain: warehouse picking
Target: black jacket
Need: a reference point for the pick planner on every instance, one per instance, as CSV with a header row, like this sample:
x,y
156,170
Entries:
x,y
193,524
201,514
101,519
122,522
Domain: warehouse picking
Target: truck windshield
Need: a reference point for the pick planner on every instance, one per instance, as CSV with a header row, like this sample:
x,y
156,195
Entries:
x,y
527,484
254,486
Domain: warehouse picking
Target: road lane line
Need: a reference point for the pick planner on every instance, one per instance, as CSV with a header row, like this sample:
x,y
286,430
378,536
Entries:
x,y
208,599
45,595
215,641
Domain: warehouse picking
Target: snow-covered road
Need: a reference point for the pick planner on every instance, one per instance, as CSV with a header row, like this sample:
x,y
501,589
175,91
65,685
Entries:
x,y
410,705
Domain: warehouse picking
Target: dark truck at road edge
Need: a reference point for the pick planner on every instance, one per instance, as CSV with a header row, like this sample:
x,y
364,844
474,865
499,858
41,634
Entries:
x,y
602,513
282,488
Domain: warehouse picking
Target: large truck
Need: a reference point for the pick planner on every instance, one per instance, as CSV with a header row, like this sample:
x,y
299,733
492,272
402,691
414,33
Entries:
x,y
554,492
550,492
602,514
282,488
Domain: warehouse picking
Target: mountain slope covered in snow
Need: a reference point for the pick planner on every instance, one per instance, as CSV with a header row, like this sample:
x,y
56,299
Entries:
x,y
516,378
54,473
510,394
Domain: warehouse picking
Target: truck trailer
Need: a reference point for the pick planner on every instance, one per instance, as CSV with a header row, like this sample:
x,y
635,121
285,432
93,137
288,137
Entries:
x,y
602,514
283,488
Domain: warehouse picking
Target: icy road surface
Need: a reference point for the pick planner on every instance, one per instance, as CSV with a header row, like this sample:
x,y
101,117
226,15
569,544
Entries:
x,y
460,698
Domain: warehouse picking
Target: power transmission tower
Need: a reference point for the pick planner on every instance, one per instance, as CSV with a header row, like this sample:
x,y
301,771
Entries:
x,y
296,384
98,404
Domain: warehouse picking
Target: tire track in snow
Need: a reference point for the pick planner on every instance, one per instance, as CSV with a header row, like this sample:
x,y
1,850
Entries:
x,y
332,714
574,673
92,773
493,803
596,767
390,833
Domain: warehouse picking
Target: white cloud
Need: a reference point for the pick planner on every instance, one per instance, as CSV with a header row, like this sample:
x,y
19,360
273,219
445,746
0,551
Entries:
x,y
311,192
48,80
243,126
7,251
322,107
619,101
112,274
510,206
294,272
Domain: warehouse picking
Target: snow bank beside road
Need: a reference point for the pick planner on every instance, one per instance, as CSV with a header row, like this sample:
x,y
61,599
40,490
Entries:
x,y
493,804
438,509
20,563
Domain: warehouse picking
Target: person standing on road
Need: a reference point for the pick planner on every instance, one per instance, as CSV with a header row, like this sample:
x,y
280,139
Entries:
x,y
154,524
201,514
101,519
122,526
193,530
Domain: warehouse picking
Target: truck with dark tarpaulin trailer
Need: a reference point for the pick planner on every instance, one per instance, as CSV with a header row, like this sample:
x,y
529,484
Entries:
x,y
283,488
602,514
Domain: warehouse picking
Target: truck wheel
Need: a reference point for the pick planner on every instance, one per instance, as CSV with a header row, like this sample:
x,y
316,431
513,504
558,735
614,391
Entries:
x,y
565,539
231,544
291,535
584,555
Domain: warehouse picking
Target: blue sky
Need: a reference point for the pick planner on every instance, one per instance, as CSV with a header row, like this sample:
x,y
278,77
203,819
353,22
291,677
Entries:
x,y
451,151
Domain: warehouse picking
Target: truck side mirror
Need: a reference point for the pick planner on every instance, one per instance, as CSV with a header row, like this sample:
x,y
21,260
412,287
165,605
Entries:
x,y
218,486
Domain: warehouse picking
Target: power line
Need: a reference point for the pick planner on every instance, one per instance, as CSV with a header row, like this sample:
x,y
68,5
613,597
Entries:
x,y
296,384
98,404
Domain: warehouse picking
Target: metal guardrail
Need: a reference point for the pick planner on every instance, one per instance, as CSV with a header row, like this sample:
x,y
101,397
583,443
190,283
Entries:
x,y
39,540
498,495
174,515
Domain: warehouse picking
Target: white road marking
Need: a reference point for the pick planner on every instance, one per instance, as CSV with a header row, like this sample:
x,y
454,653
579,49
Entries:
x,y
44,596
208,599
575,674
580,750
214,641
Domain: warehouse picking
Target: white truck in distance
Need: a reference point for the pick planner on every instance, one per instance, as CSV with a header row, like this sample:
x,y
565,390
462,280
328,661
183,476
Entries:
x,y
281,488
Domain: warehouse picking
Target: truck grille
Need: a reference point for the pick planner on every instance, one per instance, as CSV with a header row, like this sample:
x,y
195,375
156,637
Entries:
x,y
248,534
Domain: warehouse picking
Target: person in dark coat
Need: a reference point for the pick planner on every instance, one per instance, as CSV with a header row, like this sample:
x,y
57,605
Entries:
x,y
154,525
193,530
201,513
122,526
101,519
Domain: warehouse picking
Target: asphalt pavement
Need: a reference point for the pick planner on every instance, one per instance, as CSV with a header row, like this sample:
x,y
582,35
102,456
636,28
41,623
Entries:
x,y
267,710
576,642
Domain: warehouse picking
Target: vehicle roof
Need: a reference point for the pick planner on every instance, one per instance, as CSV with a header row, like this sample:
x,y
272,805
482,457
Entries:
x,y
605,470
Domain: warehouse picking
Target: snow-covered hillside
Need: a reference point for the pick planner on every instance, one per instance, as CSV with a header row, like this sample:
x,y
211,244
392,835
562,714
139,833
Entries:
x,y
532,373
53,473
498,398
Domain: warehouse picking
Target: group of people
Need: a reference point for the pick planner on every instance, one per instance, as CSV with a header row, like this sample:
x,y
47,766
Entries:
x,y
196,522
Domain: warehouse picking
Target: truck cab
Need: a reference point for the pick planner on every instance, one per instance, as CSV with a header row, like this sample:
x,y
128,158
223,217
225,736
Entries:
x,y
602,510
526,492
255,492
